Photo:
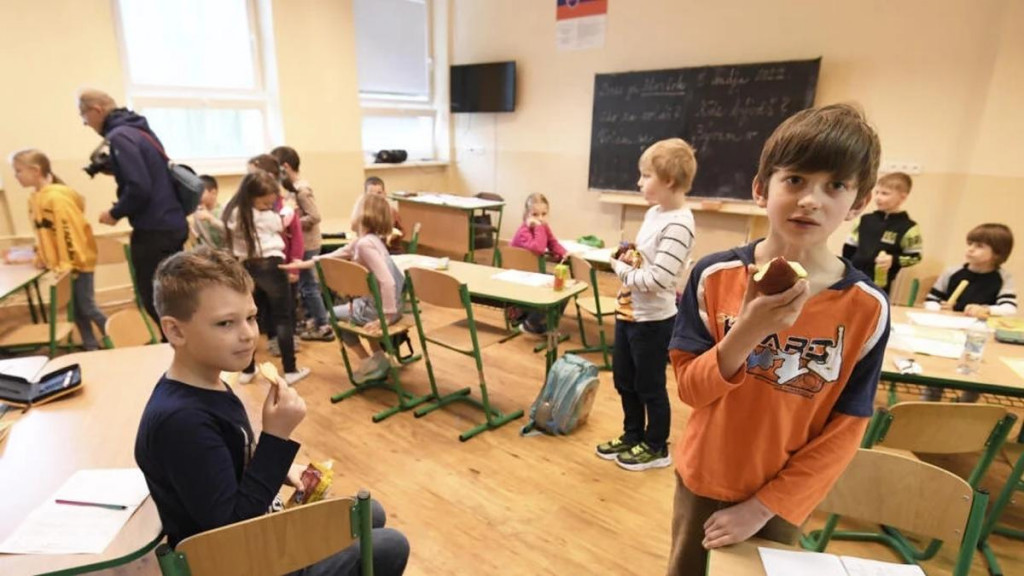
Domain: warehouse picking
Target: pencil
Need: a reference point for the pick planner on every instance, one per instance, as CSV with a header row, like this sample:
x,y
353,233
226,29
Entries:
x,y
94,504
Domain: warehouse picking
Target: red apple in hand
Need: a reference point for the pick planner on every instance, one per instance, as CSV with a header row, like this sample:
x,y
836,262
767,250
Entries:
x,y
778,275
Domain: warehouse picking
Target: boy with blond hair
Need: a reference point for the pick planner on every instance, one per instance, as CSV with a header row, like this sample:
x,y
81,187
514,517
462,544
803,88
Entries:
x,y
195,446
650,273
886,240
781,386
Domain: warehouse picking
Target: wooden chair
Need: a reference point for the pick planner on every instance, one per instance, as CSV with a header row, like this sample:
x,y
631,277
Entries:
x,y
414,241
484,230
912,284
932,428
347,278
277,543
114,250
55,331
597,306
521,259
466,337
127,328
1014,454
907,494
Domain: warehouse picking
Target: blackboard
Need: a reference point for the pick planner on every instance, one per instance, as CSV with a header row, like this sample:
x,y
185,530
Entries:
x,y
725,112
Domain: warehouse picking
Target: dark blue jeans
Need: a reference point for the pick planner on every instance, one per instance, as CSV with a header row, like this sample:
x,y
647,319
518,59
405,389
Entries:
x,y
309,288
390,553
640,357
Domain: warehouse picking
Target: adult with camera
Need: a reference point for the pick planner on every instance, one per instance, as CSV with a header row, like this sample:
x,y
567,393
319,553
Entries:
x,y
145,190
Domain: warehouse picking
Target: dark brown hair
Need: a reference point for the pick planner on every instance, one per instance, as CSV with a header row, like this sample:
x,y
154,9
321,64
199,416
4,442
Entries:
x,y
373,180
183,276
998,237
835,139
286,155
268,164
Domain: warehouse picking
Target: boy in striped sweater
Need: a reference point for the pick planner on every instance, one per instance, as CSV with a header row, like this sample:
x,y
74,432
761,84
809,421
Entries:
x,y
650,273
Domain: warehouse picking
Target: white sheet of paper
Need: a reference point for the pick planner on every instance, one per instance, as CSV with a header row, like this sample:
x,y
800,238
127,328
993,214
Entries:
x,y
123,486
406,261
1015,364
943,343
453,200
941,320
60,529
799,563
525,278
67,529
863,567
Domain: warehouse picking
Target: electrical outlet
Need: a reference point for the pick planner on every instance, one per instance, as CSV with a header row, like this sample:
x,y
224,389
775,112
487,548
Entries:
x,y
900,166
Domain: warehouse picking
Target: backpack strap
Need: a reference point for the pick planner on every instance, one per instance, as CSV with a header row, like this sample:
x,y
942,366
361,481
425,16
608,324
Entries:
x,y
152,141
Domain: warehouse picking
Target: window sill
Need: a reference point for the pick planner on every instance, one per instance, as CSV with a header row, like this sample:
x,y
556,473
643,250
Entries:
x,y
414,164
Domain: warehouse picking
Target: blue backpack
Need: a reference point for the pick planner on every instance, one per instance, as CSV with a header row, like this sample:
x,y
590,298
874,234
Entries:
x,y
566,398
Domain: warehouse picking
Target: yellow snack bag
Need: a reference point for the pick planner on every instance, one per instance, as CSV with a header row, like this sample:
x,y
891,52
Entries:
x,y
316,481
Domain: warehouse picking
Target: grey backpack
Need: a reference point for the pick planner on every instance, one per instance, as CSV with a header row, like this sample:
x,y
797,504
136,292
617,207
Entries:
x,y
566,398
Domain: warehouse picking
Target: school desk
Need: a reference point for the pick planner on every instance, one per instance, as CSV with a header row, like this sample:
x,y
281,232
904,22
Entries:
x,y
93,428
446,221
480,283
740,559
994,377
330,229
15,277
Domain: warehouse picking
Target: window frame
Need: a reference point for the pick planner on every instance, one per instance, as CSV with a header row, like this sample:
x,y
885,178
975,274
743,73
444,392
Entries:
x,y
382,104
263,96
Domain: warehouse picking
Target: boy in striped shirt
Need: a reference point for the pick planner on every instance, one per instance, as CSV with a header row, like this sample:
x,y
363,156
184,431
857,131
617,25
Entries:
x,y
650,273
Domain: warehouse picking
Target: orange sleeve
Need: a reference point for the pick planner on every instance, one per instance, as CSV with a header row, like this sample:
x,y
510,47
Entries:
x,y
699,379
810,473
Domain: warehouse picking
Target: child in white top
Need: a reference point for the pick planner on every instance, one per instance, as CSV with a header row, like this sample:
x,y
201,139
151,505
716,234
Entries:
x,y
254,234
650,272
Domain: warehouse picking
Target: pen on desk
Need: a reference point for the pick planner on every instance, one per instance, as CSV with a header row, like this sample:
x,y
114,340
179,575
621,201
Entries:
x,y
94,504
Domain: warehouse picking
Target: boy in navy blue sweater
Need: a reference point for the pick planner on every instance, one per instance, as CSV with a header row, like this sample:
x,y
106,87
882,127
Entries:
x,y
202,462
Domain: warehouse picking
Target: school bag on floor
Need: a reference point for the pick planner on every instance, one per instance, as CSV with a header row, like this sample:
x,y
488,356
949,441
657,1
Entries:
x,y
566,398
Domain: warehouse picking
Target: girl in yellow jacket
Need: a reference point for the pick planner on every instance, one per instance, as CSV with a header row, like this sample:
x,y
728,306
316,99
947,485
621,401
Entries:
x,y
64,238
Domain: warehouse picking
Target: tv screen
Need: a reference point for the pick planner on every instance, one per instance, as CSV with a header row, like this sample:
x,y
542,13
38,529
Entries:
x,y
484,87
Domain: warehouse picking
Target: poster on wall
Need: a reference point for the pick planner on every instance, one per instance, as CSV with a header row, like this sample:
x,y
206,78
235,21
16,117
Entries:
x,y
580,24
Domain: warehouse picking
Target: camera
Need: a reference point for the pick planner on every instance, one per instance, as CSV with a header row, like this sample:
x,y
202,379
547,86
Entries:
x,y
99,161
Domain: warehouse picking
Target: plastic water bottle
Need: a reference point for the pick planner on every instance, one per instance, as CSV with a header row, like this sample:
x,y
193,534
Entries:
x,y
974,346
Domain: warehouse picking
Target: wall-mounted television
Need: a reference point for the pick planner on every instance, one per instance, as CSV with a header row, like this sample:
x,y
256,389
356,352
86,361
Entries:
x,y
487,87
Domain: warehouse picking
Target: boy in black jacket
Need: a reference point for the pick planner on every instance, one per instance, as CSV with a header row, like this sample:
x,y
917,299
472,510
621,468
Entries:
x,y
886,240
202,462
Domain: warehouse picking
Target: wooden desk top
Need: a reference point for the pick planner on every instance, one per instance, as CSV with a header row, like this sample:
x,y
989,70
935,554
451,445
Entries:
x,y
94,428
467,203
994,376
478,278
14,277
740,559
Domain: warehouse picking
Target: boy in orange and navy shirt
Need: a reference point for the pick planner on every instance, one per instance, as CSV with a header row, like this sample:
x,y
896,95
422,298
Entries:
x,y
782,386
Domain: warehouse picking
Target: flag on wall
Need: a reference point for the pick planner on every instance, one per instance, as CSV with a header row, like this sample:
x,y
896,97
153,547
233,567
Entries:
x,y
580,24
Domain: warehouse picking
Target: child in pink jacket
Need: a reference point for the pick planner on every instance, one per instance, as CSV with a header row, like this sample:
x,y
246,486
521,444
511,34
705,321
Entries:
x,y
535,235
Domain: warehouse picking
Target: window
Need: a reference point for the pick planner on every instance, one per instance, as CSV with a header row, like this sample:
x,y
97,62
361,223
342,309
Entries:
x,y
194,70
393,55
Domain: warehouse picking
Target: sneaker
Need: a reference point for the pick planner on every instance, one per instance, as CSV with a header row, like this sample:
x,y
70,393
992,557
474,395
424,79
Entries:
x,y
610,450
514,315
319,334
293,377
246,377
641,457
532,328
373,368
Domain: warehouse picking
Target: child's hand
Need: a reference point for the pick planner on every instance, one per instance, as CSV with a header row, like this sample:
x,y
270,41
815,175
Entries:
x,y
767,315
977,311
735,523
883,260
532,222
294,478
283,410
298,265
373,327
293,277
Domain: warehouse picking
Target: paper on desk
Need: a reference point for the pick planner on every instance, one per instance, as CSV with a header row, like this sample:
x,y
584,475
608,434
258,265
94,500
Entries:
x,y
799,563
1015,364
452,200
863,567
941,320
63,529
525,278
943,343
